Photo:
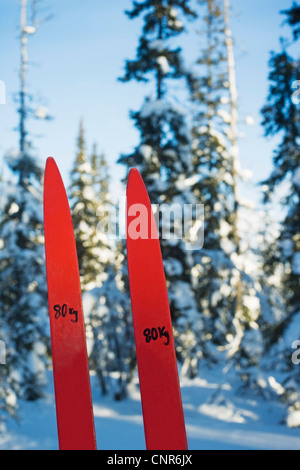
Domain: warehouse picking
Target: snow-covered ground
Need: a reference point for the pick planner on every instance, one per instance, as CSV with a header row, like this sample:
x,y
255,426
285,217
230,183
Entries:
x,y
230,422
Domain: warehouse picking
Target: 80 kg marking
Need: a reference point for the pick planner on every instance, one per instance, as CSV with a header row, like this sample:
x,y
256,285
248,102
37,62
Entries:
x,y
155,333
63,310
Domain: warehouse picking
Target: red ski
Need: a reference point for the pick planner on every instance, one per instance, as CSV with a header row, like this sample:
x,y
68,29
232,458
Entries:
x,y
73,399
159,383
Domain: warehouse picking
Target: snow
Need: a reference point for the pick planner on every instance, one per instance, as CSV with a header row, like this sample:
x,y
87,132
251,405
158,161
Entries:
x,y
216,418
224,100
224,115
174,23
253,342
157,45
217,135
173,12
183,183
29,29
160,108
157,107
246,174
11,399
146,151
292,332
14,208
250,121
252,303
293,419
225,228
88,193
163,64
227,178
42,112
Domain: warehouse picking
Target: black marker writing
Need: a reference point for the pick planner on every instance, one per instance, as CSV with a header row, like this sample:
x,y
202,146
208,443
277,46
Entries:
x,y
155,333
63,310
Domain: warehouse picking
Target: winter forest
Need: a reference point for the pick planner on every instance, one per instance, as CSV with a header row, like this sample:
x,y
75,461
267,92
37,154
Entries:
x,y
235,301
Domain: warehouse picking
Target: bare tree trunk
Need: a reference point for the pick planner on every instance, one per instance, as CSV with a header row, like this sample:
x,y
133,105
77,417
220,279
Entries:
x,y
22,109
234,144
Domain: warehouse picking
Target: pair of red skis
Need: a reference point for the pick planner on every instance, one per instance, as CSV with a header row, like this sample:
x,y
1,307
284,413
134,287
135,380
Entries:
x,y
159,385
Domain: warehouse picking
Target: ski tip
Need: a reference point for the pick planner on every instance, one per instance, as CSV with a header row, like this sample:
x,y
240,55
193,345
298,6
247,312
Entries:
x,y
51,168
133,172
136,191
50,162
52,174
134,176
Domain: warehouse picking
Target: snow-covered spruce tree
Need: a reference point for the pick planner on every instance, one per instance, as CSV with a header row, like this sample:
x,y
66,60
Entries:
x,y
252,306
106,304
162,155
110,330
23,296
86,195
8,386
281,115
106,301
226,295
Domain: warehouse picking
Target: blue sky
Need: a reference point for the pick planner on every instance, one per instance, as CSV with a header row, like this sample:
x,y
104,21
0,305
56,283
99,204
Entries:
x,y
77,56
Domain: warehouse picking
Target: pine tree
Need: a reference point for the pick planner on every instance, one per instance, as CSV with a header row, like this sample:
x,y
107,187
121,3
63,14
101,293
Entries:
x,y
23,294
249,296
110,330
108,320
281,118
162,155
85,198
23,297
226,294
8,386
106,303
104,207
